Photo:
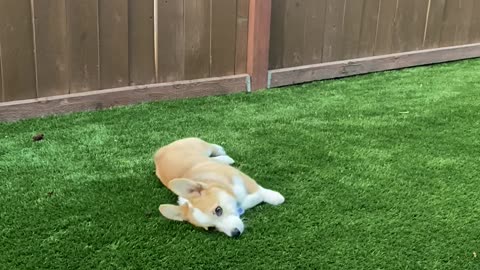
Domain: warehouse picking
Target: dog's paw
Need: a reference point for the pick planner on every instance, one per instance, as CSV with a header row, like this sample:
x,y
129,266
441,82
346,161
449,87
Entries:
x,y
224,159
273,197
218,150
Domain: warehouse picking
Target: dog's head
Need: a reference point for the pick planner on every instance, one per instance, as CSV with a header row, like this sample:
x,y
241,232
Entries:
x,y
204,206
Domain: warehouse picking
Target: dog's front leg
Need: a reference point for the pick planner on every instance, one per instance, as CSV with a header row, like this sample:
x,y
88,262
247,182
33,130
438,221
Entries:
x,y
262,195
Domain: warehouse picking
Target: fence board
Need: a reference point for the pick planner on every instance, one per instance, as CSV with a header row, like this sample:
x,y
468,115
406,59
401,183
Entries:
x,y
82,19
466,12
171,41
474,33
410,25
113,24
449,26
350,67
294,26
368,34
18,62
314,28
333,36
386,21
353,27
51,47
277,34
224,20
241,37
434,24
2,98
141,42
197,39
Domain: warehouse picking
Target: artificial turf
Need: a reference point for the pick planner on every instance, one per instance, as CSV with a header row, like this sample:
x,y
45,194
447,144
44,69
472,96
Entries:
x,y
378,171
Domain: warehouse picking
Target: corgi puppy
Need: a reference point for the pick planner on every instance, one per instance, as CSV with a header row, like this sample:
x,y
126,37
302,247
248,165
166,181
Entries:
x,y
211,193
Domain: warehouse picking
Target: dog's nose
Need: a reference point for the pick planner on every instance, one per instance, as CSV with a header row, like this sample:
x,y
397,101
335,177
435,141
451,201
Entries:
x,y
236,233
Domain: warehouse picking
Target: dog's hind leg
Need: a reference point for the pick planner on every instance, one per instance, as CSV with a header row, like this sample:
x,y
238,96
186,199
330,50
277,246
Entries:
x,y
224,160
217,150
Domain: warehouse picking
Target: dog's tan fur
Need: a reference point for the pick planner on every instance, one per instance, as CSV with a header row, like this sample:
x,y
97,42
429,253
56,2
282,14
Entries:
x,y
201,175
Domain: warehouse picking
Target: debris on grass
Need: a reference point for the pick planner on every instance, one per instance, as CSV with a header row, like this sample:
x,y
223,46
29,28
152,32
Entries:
x,y
38,137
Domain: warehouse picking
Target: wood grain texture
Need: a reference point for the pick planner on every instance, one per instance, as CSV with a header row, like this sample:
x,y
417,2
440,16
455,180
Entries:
x,y
434,24
366,46
51,47
466,13
259,42
409,25
474,33
113,25
2,98
223,26
295,12
2,93
197,39
277,34
82,19
288,76
385,27
314,28
16,41
354,14
141,42
241,37
101,99
171,41
333,34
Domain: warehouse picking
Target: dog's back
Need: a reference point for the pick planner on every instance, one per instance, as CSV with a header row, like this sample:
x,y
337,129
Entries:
x,y
174,160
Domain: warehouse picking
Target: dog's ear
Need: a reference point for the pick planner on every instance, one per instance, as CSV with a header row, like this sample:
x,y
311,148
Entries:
x,y
173,212
186,188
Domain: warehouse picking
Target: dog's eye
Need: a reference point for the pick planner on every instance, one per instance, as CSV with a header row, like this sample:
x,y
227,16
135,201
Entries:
x,y
218,211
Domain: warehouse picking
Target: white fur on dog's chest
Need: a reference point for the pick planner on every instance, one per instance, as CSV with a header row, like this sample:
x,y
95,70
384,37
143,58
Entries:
x,y
239,189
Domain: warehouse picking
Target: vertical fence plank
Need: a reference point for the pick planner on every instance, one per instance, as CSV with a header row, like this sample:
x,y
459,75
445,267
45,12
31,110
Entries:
x,y
82,19
450,22
409,25
141,42
223,25
474,33
352,28
259,15
464,21
434,24
277,34
386,22
51,48
113,26
241,37
295,27
18,61
197,39
171,41
366,46
333,36
2,93
314,28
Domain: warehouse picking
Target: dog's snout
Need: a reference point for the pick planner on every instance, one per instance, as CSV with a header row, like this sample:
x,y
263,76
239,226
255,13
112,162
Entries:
x,y
236,233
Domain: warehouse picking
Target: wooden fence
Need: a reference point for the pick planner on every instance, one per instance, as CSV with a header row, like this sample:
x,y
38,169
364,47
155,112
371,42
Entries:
x,y
318,31
55,47
57,55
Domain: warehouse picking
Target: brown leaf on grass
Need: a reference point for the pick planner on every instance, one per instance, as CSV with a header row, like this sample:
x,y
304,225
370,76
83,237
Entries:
x,y
38,137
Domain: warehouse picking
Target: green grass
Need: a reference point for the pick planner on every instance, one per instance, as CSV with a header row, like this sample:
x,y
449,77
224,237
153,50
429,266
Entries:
x,y
379,172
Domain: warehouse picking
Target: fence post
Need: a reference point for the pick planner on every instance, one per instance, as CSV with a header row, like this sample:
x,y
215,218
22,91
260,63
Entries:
x,y
260,12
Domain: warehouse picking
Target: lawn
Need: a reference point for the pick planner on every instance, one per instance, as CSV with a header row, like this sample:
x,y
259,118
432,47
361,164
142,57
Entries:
x,y
379,172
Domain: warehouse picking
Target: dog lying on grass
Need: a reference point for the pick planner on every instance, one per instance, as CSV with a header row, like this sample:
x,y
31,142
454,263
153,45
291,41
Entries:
x,y
211,192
